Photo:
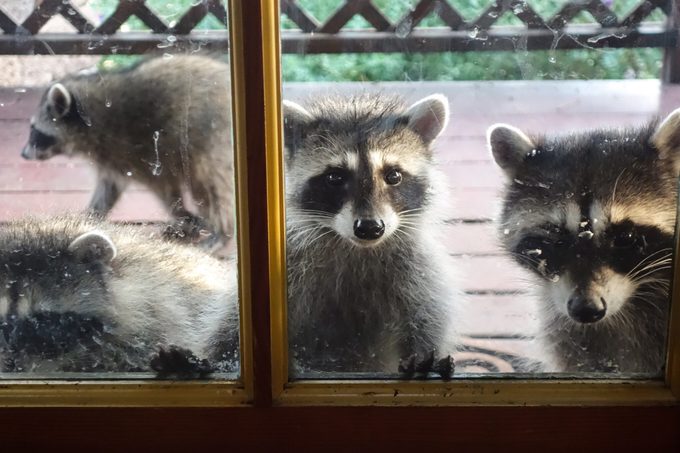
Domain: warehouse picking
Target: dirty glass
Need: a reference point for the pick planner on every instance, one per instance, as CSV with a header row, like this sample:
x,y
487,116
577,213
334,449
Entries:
x,y
479,188
117,204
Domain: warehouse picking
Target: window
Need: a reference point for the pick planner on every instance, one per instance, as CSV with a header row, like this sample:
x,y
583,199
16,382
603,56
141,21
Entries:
x,y
265,374
119,255
400,261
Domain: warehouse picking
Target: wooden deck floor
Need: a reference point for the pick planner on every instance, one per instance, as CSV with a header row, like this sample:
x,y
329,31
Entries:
x,y
500,308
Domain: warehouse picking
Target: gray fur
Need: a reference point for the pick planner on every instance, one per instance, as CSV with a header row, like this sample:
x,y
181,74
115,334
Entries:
x,y
164,123
353,306
80,295
617,260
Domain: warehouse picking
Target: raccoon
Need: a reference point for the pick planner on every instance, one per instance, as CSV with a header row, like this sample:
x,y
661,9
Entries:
x,y
368,282
592,215
81,295
164,123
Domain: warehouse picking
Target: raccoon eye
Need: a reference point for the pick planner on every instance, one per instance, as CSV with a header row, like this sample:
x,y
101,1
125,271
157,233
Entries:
x,y
625,239
393,177
335,178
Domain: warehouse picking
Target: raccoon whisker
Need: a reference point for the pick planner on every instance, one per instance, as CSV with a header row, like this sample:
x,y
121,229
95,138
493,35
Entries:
x,y
412,226
409,211
647,301
298,211
307,221
642,265
301,216
307,225
401,237
319,237
654,284
648,270
304,227
326,139
651,256
653,264
616,182
408,227
526,258
644,279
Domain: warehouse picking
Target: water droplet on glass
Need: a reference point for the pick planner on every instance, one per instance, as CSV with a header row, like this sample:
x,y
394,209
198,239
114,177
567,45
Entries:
x,y
156,166
586,234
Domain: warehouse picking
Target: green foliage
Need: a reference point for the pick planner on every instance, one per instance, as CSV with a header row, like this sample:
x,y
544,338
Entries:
x,y
518,65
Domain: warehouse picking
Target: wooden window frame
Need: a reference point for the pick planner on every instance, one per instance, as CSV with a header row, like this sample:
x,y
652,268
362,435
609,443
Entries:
x,y
265,410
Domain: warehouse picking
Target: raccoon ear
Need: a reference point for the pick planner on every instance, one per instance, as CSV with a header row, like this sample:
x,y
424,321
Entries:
x,y
508,145
93,246
666,138
58,101
429,116
295,118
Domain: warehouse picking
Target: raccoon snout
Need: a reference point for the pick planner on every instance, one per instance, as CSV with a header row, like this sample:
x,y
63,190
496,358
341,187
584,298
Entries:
x,y
369,229
584,309
29,152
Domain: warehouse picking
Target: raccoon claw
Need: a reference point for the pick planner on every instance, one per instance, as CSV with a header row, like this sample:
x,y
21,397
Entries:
x,y
179,363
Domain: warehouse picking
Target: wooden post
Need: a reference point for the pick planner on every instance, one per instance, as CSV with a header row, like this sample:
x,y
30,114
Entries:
x,y
670,72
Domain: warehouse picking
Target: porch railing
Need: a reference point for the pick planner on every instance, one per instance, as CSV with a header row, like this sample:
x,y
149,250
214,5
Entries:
x,y
333,35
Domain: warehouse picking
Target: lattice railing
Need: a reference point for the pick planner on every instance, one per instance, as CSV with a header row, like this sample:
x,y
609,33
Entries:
x,y
333,35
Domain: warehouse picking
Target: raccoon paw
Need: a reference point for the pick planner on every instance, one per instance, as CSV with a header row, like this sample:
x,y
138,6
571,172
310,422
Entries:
x,y
407,366
187,229
412,367
178,363
425,366
445,367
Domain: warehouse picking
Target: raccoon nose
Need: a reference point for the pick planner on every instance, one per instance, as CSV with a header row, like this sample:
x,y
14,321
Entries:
x,y
585,310
368,228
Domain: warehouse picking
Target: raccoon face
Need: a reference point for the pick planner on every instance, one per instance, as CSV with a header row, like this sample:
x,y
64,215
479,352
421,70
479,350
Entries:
x,y
360,167
50,127
592,216
36,281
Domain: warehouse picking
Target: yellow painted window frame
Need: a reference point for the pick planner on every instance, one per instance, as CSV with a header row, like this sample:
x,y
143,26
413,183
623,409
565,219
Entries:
x,y
486,392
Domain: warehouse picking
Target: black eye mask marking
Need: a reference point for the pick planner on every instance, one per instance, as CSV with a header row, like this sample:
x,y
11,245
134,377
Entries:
x,y
550,250
41,140
327,192
545,251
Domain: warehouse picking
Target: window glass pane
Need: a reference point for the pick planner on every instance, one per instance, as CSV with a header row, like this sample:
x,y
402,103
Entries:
x,y
479,182
117,205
